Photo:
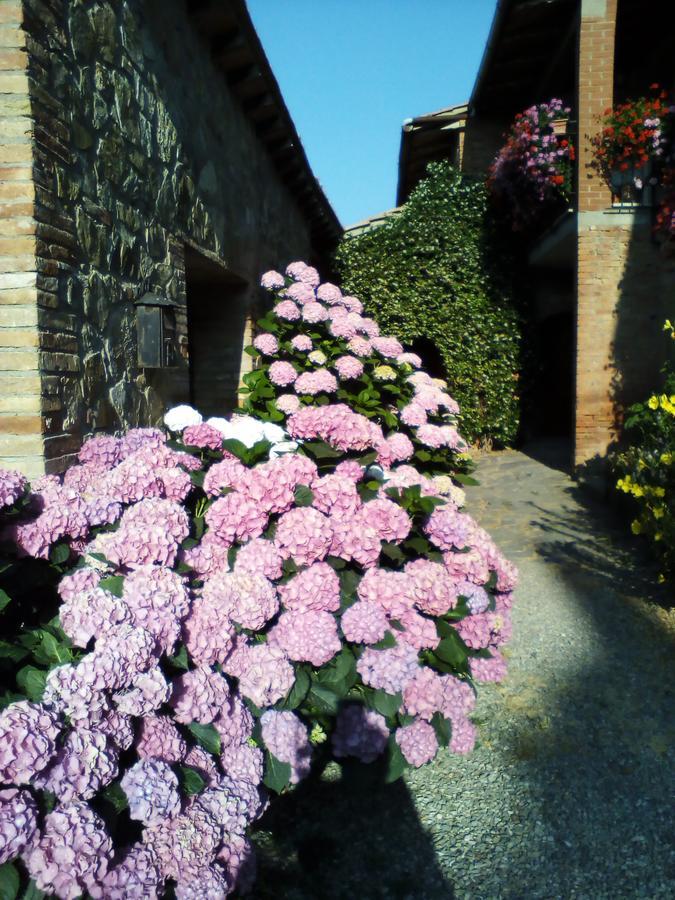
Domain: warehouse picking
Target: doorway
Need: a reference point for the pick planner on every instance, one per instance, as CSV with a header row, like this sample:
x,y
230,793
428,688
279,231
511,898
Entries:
x,y
218,310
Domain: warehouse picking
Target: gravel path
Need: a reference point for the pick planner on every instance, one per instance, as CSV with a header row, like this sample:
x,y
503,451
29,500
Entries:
x,y
570,792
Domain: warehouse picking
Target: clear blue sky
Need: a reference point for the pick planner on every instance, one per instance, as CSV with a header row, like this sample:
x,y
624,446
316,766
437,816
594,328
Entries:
x,y
352,70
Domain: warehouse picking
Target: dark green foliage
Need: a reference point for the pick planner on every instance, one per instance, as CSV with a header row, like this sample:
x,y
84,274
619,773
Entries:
x,y
437,272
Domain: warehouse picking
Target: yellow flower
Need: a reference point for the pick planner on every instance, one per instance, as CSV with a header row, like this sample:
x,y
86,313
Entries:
x,y
668,326
666,458
384,373
642,464
653,403
658,512
659,492
661,579
637,491
658,536
636,526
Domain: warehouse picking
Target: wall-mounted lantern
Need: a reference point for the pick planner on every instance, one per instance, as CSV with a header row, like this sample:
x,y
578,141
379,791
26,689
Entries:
x,y
156,330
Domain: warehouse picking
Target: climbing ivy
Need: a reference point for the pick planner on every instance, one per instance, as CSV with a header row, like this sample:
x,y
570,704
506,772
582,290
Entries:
x,y
438,277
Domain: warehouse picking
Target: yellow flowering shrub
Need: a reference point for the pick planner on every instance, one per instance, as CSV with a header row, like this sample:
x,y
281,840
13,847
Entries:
x,y
646,469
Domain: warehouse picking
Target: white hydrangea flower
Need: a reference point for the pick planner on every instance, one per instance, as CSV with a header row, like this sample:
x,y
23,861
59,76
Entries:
x,y
180,417
282,447
273,433
220,424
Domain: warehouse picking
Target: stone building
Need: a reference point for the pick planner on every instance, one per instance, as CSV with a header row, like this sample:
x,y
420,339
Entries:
x,y
601,287
149,172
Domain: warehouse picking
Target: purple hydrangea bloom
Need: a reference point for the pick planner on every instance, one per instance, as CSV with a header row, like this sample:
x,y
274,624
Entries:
x,y
158,738
28,733
309,636
243,762
86,763
151,788
72,854
364,623
388,670
418,742
210,883
12,486
199,696
147,693
18,822
136,877
184,844
287,738
360,732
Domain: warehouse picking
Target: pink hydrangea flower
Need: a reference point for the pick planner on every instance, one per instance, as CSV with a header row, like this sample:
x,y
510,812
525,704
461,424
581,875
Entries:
x,y
389,670
335,493
286,738
204,436
301,293
463,737
90,613
341,327
493,669
158,601
307,636
243,762
266,344
118,728
353,304
314,312
410,359
434,592
259,557
390,521
264,672
418,631
12,486
392,591
287,310
141,438
350,468
304,534
418,742
360,346
364,623
210,883
468,565
102,450
147,693
135,877
354,539
249,600
329,293
78,581
236,518
234,724
359,732
321,381
396,448
150,532
28,733
302,343
387,346
423,694
85,763
449,529
300,271
72,854
158,738
238,857
199,696
288,403
151,788
314,588
18,822
225,474
413,415
282,373
272,281
208,557
184,844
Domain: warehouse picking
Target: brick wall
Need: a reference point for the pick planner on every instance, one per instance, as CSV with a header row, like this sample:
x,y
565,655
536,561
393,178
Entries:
x,y
21,442
624,286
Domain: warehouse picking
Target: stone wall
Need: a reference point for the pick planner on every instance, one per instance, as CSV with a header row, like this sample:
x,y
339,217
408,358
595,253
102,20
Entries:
x,y
139,147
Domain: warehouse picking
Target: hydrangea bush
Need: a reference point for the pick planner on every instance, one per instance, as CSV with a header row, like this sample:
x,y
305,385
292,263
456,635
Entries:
x,y
236,600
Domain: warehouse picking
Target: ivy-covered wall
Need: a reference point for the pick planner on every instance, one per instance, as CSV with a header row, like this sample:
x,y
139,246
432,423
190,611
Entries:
x,y
436,275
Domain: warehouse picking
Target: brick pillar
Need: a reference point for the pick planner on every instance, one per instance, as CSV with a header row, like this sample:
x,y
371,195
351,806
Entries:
x,y
599,264
21,440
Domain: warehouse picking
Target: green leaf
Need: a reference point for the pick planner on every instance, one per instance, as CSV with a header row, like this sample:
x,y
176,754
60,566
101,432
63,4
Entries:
x,y
298,692
4,599
465,479
349,582
9,882
50,652
114,584
197,478
116,796
443,729
452,650
179,660
206,736
237,449
323,699
59,554
32,892
191,780
32,682
12,652
303,495
277,774
387,641
393,552
386,704
321,450
396,762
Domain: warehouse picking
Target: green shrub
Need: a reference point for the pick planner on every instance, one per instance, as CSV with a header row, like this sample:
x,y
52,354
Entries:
x,y
436,276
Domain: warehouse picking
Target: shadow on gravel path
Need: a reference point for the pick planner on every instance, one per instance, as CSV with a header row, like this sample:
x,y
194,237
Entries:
x,y
346,835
